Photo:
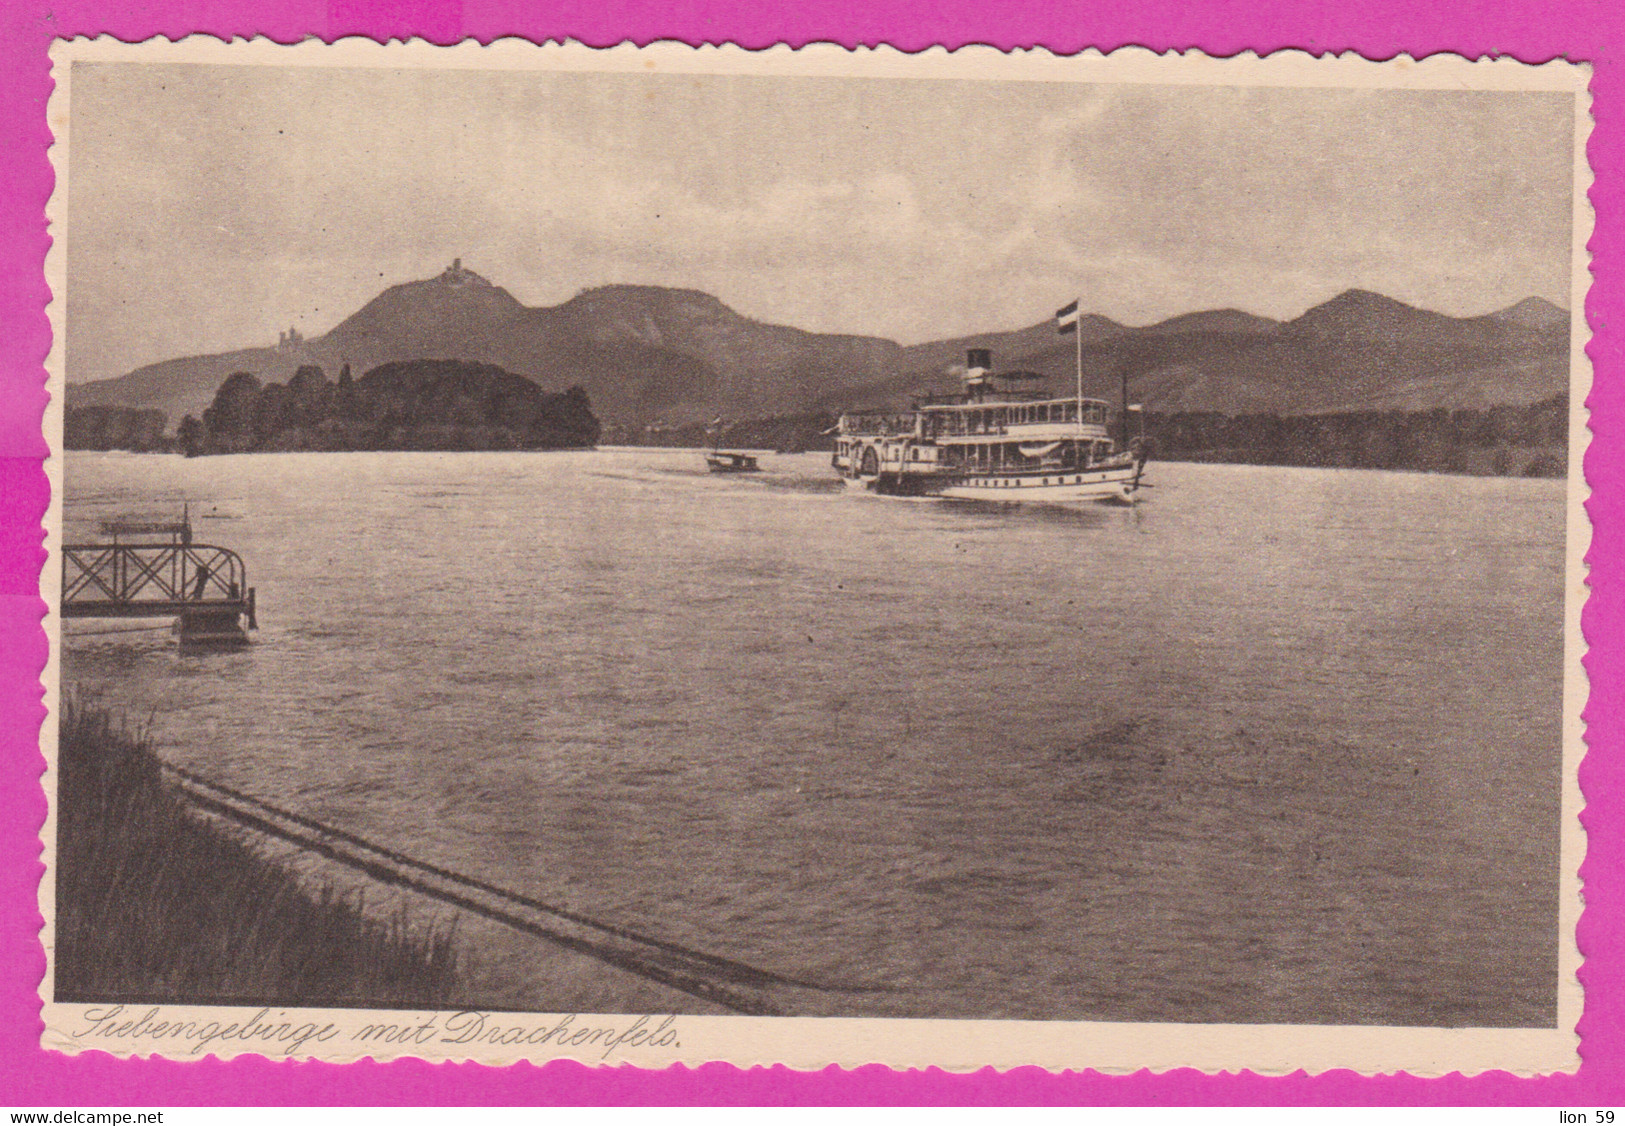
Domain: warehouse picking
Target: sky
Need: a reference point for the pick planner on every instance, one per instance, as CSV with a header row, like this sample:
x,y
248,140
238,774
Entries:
x,y
211,207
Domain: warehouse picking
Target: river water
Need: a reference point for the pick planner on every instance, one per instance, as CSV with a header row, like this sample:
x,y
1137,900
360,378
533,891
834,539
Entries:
x,y
1278,745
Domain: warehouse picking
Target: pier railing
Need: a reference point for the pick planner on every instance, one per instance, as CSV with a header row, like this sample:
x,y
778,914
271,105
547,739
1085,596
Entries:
x,y
101,580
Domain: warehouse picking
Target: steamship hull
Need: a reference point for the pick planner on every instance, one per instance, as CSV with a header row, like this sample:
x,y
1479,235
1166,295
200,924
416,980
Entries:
x,y
1117,485
1114,485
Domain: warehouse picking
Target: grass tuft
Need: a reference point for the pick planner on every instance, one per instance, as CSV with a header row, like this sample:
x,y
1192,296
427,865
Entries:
x,y
157,903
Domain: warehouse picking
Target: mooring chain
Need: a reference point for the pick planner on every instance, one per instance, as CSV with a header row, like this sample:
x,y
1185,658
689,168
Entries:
x,y
691,975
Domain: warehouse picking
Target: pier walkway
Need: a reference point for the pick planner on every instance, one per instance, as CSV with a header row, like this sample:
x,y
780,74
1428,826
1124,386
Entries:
x,y
155,570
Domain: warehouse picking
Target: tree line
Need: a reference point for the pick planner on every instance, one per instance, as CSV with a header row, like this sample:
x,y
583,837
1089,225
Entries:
x,y
1526,441
115,428
410,405
1523,441
448,405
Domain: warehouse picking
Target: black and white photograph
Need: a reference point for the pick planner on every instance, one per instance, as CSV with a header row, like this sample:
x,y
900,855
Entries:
x,y
603,553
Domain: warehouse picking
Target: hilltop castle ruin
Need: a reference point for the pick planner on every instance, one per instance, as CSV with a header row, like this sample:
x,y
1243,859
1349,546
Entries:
x,y
456,274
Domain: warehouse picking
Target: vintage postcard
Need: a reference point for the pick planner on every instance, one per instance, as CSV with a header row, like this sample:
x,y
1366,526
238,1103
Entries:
x,y
665,555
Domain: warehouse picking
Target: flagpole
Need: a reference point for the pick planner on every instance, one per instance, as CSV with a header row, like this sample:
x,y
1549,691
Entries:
x,y
1077,337
1124,372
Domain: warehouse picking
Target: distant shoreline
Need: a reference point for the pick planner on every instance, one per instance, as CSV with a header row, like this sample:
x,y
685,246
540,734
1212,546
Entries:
x,y
1499,441
1549,462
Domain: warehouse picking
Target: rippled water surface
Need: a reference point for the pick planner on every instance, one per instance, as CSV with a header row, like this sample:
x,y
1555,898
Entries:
x,y
1279,745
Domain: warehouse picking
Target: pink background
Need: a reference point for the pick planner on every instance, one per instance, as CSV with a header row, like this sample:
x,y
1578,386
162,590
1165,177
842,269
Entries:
x,y
1531,30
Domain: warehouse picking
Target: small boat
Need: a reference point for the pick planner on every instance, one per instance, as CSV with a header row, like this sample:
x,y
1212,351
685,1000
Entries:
x,y
726,461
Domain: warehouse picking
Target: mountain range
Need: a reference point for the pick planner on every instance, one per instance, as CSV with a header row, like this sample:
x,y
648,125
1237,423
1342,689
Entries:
x,y
647,353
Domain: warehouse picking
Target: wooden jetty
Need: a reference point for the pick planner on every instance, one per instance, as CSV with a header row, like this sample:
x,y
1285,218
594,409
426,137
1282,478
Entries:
x,y
148,569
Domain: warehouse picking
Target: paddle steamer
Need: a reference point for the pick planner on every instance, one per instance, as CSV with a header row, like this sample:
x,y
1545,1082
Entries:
x,y
998,440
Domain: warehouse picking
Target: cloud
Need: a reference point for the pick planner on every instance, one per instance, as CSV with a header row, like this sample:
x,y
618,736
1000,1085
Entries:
x,y
1090,108
908,209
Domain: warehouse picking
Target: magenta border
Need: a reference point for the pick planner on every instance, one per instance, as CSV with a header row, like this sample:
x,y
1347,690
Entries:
x,y
1531,30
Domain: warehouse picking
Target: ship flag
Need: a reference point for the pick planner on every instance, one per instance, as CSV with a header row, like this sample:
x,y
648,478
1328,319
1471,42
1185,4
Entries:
x,y
1066,319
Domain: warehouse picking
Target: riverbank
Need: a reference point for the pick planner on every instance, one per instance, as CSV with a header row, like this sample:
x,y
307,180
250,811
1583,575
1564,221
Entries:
x,y
1498,441
157,903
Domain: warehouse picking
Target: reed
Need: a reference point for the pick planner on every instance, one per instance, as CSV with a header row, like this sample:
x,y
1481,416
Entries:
x,y
155,902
